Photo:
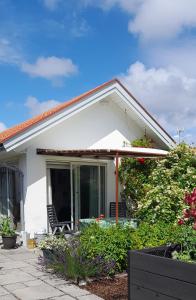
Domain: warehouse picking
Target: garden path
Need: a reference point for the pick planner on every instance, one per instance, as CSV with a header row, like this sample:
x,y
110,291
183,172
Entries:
x,y
21,277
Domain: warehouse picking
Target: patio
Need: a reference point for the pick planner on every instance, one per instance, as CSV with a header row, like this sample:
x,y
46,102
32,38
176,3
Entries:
x,y
21,277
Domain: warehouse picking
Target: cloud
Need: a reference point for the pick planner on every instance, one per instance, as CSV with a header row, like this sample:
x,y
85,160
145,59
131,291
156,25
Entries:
x,y
36,107
50,68
51,4
8,53
2,126
153,19
163,19
167,92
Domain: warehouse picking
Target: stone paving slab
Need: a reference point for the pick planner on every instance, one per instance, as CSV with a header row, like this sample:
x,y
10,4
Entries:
x,y
22,278
8,297
14,286
73,290
42,291
3,291
14,276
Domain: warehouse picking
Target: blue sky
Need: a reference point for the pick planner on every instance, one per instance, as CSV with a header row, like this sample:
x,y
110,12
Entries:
x,y
52,50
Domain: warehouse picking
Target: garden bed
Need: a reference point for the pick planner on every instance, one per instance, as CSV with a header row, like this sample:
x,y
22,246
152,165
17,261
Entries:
x,y
152,276
109,289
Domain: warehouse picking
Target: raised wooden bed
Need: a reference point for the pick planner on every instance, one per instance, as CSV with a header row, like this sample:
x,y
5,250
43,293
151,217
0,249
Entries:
x,y
153,277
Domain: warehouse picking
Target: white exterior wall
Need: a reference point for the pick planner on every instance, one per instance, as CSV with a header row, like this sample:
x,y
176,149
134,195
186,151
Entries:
x,y
102,125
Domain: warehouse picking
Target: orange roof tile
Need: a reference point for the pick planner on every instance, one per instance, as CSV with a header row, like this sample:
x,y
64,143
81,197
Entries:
x,y
13,131
17,129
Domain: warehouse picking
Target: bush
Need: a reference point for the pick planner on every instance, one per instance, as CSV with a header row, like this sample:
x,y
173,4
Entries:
x,y
66,257
154,235
169,180
110,244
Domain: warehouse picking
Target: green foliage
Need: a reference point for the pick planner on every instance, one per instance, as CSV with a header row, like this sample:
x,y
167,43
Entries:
x,y
109,243
144,142
133,174
6,227
186,236
153,235
166,185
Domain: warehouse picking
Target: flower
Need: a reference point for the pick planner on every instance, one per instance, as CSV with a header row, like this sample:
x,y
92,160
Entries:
x,y
101,216
186,213
180,222
141,160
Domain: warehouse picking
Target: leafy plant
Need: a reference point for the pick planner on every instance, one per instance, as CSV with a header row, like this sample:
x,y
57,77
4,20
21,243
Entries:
x,y
166,185
187,239
110,244
153,235
143,142
134,174
6,227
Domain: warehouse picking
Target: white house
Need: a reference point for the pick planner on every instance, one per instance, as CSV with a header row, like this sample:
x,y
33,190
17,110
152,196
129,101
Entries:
x,y
60,156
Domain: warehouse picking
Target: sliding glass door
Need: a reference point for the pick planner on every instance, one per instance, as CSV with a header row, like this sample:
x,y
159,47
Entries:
x,y
77,191
88,191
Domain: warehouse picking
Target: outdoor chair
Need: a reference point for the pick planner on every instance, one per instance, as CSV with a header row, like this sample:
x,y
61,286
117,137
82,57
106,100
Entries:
x,y
121,209
55,224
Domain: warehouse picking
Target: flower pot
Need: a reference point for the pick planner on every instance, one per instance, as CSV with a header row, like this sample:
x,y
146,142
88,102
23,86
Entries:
x,y
9,242
48,255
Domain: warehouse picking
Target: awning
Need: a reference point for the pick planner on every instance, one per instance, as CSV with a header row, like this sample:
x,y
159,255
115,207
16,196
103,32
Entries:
x,y
100,153
107,153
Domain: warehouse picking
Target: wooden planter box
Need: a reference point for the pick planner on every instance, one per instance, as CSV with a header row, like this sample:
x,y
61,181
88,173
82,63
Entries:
x,y
152,277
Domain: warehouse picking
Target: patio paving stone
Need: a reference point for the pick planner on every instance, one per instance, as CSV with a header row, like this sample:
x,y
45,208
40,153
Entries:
x,y
8,297
14,286
14,276
73,290
3,291
21,277
42,291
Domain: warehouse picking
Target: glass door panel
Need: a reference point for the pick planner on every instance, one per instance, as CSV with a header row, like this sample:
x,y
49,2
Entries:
x,y
89,192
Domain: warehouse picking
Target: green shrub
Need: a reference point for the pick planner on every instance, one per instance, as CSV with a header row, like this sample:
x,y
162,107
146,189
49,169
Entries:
x,y
110,243
153,235
166,186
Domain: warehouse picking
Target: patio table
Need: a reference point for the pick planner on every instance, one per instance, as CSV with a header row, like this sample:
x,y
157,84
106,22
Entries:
x,y
106,222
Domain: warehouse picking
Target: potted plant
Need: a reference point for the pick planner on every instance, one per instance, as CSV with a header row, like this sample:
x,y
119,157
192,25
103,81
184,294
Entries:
x,y
167,272
8,233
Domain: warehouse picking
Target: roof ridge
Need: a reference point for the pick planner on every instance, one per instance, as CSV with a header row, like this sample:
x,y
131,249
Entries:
x,y
21,127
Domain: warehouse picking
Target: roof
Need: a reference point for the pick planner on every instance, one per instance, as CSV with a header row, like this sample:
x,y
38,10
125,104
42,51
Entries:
x,y
105,153
17,129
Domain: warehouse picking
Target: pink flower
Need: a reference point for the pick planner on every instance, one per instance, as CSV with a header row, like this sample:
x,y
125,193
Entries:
x,y
180,222
186,213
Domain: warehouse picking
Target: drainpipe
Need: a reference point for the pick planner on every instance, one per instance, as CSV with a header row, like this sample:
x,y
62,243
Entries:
x,y
117,163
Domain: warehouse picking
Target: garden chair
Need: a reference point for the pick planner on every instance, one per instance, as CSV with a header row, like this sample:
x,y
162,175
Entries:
x,y
121,210
55,224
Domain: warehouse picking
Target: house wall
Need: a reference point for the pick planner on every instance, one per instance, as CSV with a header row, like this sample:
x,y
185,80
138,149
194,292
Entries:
x,y
102,125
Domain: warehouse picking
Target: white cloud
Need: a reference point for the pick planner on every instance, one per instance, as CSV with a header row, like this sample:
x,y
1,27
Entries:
x,y
154,19
50,68
163,19
8,53
36,107
51,4
2,126
167,92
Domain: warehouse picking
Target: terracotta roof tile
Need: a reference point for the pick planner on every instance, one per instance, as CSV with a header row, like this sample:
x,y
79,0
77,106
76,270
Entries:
x,y
13,131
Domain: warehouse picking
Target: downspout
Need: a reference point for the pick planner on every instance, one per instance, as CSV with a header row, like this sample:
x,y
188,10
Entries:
x,y
116,173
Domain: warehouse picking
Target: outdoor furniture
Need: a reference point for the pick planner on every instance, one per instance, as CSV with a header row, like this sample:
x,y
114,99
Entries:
x,y
121,209
54,223
107,222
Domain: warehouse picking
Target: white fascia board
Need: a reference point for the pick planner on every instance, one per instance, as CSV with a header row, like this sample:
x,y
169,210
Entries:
x,y
57,118
145,117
